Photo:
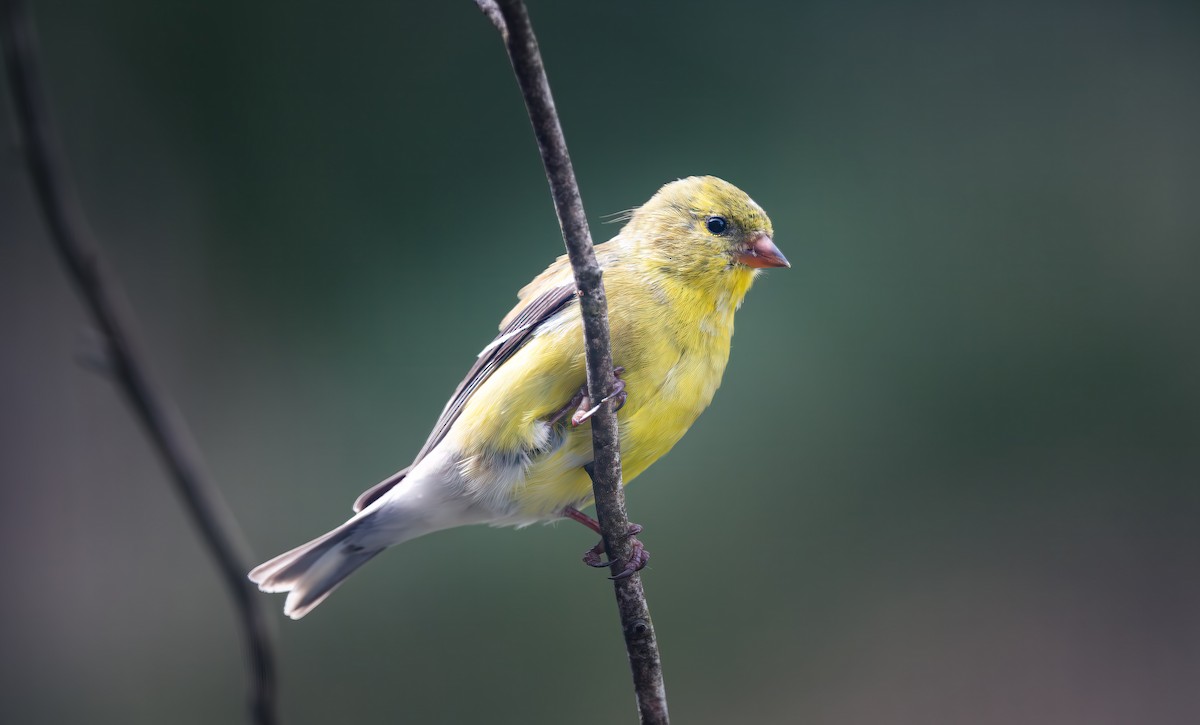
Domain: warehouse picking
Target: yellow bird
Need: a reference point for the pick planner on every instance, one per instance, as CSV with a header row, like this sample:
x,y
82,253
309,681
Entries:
x,y
513,445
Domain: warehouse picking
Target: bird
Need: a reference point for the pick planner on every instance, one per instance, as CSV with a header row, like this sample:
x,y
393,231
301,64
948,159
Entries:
x,y
512,446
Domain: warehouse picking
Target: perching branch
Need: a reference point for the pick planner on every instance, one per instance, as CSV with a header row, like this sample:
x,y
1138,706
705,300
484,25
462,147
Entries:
x,y
512,20
102,295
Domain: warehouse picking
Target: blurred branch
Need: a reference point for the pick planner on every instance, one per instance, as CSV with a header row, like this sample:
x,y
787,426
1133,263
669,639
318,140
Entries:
x,y
512,20
102,295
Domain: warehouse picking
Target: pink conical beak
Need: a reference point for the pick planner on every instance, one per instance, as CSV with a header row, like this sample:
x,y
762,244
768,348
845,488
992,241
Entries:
x,y
762,252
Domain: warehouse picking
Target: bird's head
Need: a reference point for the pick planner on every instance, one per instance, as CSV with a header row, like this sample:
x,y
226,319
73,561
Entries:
x,y
705,228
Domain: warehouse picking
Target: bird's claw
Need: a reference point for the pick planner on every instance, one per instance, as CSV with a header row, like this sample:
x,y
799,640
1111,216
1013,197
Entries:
x,y
591,557
587,410
638,557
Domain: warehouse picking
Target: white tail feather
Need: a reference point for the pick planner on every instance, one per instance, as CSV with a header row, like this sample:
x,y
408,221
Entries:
x,y
312,571
411,504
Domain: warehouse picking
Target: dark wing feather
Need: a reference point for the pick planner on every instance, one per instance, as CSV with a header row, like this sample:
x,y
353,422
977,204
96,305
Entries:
x,y
512,336
366,498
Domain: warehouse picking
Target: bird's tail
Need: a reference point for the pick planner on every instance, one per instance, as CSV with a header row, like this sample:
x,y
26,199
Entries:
x,y
311,572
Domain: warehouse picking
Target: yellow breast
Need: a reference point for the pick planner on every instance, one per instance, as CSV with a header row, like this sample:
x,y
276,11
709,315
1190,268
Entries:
x,y
673,341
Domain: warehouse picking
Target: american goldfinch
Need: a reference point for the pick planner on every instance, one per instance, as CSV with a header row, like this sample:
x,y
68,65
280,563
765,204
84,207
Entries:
x,y
512,446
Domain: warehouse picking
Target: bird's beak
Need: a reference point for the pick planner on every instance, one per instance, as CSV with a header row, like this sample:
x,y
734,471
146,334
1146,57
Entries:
x,y
762,252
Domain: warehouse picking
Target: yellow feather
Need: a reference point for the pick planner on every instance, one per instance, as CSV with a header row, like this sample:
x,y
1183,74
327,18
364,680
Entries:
x,y
673,288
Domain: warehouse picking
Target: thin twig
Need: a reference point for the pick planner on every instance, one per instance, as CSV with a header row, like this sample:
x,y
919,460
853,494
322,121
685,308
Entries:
x,y
158,414
512,20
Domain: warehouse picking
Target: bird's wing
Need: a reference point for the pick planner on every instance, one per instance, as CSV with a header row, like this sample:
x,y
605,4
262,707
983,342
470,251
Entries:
x,y
366,498
515,331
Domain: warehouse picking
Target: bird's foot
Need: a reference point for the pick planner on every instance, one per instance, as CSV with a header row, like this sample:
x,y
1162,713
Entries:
x,y
585,408
575,401
580,405
638,556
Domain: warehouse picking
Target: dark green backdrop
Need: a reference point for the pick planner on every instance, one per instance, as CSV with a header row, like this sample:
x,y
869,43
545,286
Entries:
x,y
951,476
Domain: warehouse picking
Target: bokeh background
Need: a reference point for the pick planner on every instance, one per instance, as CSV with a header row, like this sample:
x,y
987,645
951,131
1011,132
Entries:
x,y
952,473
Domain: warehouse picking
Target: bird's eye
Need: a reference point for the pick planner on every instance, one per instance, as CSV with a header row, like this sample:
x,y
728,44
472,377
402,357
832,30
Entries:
x,y
716,224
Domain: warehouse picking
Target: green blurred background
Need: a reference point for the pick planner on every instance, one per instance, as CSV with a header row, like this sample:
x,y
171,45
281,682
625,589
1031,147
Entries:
x,y
951,476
